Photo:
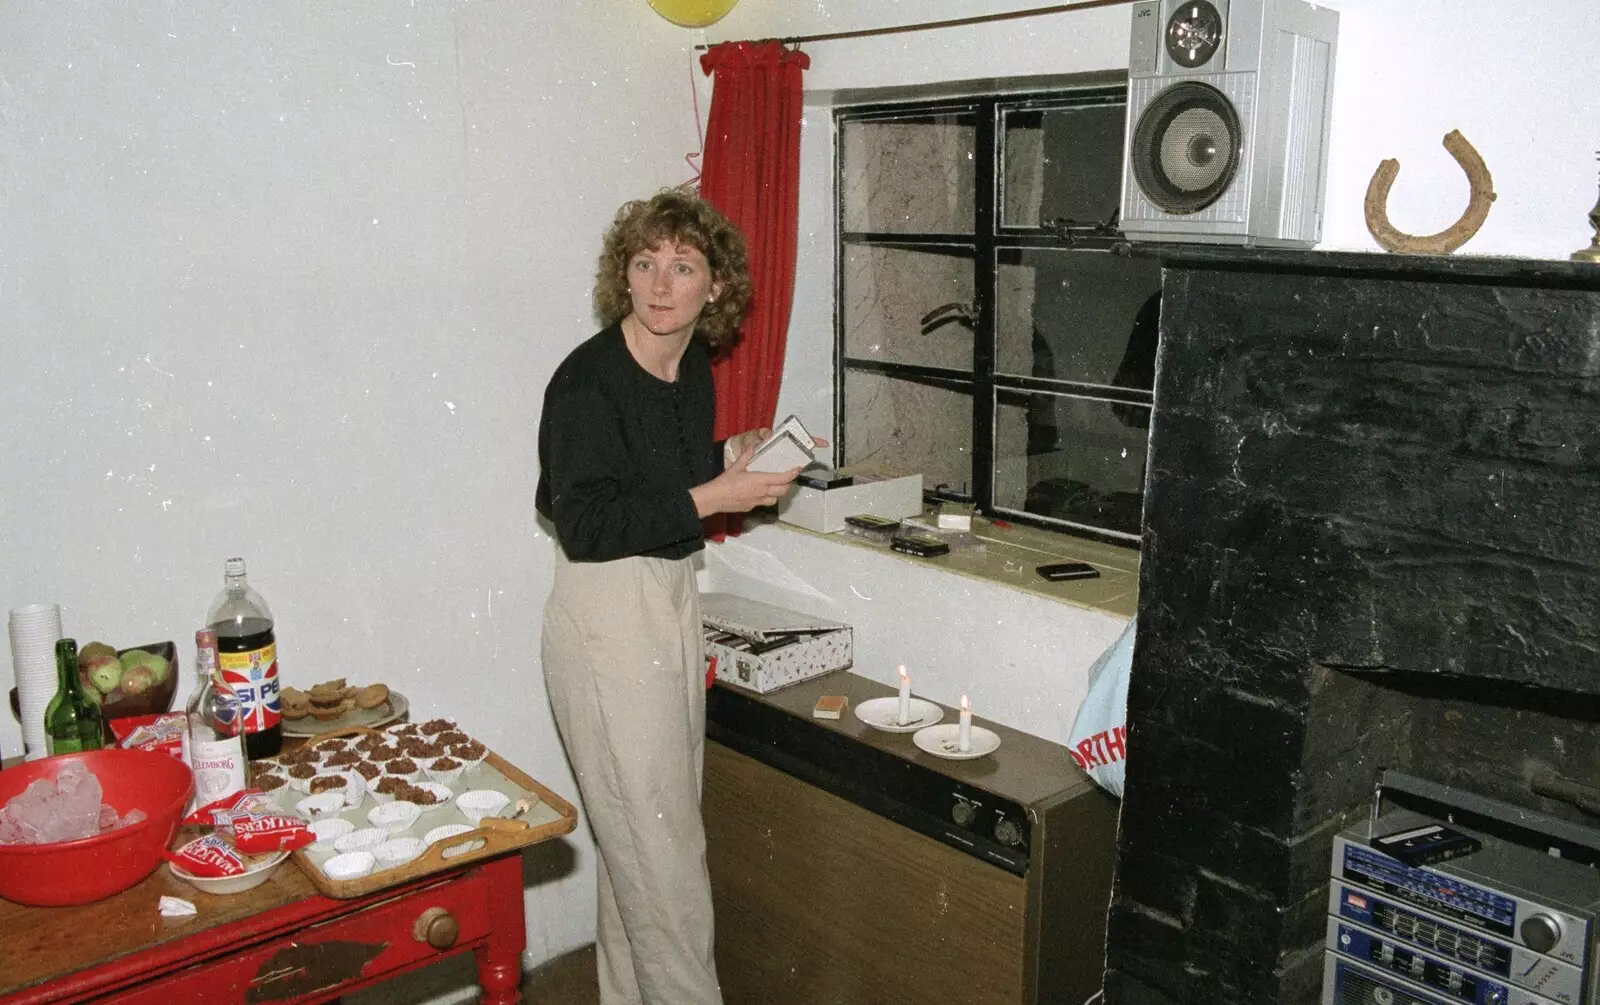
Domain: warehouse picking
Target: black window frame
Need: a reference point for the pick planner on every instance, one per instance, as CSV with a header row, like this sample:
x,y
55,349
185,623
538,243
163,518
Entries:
x,y
989,239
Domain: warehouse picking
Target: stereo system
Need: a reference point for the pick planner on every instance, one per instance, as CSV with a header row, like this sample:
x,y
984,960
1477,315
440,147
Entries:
x,y
1505,924
1227,134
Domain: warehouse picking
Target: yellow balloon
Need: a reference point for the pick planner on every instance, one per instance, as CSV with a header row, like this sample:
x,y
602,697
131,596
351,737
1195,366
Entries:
x,y
692,13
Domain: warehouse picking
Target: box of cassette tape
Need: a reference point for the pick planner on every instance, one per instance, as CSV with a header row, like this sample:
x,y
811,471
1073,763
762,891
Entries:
x,y
764,648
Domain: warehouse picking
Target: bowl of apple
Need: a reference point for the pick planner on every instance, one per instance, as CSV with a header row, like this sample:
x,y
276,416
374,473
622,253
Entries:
x,y
140,680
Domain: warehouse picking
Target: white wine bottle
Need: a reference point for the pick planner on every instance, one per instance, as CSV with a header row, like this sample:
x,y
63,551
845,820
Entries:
x,y
213,746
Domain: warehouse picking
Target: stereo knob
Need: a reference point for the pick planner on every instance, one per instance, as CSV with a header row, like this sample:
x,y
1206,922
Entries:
x,y
1008,833
1494,996
963,813
1541,933
437,928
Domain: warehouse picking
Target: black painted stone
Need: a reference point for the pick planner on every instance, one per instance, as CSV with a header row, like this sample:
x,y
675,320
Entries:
x,y
1371,538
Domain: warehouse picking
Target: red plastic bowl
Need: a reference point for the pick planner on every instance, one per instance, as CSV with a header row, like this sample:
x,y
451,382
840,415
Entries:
x,y
93,868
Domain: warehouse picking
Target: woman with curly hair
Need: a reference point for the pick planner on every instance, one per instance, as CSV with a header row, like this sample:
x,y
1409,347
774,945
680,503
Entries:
x,y
628,469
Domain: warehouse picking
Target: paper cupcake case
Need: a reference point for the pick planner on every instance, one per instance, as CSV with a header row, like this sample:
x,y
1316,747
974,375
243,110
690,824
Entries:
x,y
548,816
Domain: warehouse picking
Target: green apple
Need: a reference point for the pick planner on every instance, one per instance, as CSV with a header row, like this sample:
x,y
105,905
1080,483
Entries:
x,y
94,650
136,680
156,666
104,672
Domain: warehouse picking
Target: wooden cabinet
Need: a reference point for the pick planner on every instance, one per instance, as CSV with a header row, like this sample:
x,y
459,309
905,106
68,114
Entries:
x,y
282,942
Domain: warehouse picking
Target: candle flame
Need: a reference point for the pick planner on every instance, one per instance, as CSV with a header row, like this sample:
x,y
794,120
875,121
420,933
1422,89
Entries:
x,y
966,706
903,675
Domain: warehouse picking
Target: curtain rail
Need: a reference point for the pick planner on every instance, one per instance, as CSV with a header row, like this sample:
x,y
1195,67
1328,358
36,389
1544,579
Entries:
x,y
959,22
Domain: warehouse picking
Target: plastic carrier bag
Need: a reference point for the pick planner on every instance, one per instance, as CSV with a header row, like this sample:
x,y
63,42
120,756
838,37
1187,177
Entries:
x,y
1099,738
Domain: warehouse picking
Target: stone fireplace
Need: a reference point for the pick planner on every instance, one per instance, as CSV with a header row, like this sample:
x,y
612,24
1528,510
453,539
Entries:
x,y
1371,539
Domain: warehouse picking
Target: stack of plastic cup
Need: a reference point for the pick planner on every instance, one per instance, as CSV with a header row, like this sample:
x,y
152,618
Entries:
x,y
34,631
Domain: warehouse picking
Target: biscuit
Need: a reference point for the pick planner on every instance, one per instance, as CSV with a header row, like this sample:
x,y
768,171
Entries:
x,y
372,696
332,712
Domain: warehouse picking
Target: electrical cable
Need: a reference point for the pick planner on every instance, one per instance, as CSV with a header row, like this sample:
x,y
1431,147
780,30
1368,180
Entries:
x,y
699,128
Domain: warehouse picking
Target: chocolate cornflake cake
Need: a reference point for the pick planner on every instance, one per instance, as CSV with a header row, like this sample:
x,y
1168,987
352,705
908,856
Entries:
x,y
305,769
401,766
270,781
367,770
327,783
446,764
421,796
452,736
343,759
433,726
422,748
406,792
472,750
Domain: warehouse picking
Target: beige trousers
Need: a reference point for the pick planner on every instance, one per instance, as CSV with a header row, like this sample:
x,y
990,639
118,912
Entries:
x,y
624,664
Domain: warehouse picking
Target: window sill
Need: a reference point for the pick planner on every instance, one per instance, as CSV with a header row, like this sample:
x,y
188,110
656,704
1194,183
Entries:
x,y
1009,558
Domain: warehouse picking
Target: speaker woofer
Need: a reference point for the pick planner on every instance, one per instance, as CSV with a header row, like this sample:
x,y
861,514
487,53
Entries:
x,y
1186,147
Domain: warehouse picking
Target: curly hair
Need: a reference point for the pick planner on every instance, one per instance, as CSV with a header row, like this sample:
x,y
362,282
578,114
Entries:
x,y
680,217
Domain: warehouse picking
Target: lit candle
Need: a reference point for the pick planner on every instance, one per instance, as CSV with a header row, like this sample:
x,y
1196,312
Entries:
x,y
964,737
905,697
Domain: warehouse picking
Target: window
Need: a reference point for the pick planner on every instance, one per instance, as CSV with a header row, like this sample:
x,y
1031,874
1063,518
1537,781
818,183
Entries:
x,y
987,335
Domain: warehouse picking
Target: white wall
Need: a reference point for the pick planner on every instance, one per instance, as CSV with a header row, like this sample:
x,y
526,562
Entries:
x,y
286,281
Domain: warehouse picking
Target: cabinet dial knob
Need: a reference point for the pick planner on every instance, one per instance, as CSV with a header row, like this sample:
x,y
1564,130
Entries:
x,y
963,813
1008,833
437,928
1541,932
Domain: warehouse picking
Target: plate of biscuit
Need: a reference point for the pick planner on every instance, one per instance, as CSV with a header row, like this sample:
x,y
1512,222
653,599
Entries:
x,y
336,704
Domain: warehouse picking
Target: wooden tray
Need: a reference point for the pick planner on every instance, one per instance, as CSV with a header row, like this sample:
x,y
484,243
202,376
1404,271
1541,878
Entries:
x,y
498,835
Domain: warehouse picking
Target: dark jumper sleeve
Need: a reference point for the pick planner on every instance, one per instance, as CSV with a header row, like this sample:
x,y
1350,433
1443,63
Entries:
x,y
600,513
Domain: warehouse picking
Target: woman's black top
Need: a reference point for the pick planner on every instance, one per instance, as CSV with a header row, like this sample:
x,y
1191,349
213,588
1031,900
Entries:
x,y
619,449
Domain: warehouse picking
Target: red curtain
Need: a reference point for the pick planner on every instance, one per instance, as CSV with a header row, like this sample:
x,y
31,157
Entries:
x,y
752,174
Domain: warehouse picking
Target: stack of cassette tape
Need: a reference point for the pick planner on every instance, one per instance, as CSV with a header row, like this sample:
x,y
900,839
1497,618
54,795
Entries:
x,y
1424,912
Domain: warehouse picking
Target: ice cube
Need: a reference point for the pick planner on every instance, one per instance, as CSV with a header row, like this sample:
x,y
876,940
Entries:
x,y
71,775
30,808
77,805
10,833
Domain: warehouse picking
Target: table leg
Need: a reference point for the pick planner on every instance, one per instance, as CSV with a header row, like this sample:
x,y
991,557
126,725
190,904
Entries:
x,y
500,960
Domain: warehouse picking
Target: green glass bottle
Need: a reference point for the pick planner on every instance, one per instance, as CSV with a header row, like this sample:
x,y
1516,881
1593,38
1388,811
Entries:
x,y
72,719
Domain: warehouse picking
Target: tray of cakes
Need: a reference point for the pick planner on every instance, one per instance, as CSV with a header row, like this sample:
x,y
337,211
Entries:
x,y
395,804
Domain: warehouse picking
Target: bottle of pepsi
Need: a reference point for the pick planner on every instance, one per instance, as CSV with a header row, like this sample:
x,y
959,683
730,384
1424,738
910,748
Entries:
x,y
247,659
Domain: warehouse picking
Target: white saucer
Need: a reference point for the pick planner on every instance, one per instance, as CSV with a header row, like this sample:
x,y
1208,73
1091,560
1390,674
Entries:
x,y
942,741
884,714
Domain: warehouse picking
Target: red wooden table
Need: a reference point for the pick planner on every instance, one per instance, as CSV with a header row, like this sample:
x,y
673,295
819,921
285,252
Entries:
x,y
282,942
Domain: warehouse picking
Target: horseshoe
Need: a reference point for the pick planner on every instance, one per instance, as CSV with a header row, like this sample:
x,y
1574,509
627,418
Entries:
x,y
1453,236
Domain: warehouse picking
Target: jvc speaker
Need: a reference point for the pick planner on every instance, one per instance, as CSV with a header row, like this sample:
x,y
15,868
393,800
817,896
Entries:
x,y
1227,139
